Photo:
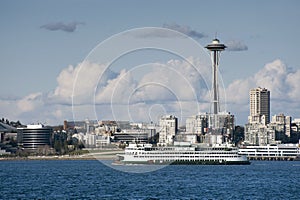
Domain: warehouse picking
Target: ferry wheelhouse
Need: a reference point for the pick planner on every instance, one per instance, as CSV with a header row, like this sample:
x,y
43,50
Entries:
x,y
197,155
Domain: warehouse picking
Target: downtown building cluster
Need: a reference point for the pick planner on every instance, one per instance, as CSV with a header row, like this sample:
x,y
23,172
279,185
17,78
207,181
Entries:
x,y
262,129
215,128
198,129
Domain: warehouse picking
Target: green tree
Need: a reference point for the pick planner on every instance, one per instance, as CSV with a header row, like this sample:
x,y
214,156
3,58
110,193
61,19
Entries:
x,y
57,146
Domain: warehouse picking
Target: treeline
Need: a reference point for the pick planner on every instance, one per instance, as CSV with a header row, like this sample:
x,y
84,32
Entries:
x,y
64,143
16,124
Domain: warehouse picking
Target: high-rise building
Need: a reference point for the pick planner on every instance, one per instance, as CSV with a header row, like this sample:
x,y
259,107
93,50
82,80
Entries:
x,y
211,126
282,126
260,103
168,129
197,124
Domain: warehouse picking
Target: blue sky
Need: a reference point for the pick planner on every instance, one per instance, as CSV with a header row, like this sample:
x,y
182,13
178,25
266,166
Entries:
x,y
41,39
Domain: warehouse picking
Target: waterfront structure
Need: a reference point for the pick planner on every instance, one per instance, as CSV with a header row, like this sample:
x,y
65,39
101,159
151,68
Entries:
x,y
90,140
260,103
168,126
4,152
271,152
178,154
215,49
34,137
102,141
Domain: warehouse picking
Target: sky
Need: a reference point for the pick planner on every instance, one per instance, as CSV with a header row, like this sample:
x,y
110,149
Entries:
x,y
55,58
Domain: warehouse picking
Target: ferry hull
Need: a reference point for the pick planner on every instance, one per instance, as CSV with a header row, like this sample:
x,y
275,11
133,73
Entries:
x,y
158,162
210,163
185,162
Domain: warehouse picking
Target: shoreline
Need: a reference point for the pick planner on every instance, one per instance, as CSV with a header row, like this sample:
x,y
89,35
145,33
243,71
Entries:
x,y
99,157
106,155
57,158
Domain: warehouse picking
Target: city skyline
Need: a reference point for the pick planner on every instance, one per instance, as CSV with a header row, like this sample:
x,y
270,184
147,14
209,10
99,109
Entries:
x,y
43,45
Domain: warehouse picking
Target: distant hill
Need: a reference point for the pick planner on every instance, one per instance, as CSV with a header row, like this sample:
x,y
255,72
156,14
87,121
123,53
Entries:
x,y
7,128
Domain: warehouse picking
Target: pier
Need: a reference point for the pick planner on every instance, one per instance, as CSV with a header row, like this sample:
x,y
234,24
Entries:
x,y
274,158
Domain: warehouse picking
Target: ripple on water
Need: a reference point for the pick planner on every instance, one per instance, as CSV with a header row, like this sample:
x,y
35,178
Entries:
x,y
93,180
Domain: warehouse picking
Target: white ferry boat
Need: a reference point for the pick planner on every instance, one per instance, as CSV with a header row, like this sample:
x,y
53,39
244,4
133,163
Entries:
x,y
271,152
196,155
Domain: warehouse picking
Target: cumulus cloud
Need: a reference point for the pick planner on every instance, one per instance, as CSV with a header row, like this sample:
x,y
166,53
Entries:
x,y
276,77
30,102
79,82
185,30
60,26
293,80
172,83
173,87
163,81
235,45
272,76
117,90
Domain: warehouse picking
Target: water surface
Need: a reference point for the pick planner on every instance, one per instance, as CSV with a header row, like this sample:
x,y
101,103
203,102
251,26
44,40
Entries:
x,y
90,179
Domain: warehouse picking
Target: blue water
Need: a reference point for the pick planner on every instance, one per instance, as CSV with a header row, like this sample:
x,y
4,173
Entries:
x,y
93,180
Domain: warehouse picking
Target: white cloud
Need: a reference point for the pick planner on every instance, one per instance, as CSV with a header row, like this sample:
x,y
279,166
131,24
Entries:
x,y
237,91
282,82
30,102
132,95
274,76
293,80
116,90
9,109
80,82
174,87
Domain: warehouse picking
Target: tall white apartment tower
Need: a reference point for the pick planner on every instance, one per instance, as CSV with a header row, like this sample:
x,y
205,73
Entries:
x,y
260,103
168,128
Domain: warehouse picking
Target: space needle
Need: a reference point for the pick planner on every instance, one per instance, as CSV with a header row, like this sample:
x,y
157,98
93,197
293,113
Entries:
x,y
215,49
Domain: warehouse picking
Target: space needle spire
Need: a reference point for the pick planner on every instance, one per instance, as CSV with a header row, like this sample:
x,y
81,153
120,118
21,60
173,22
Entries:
x,y
215,49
